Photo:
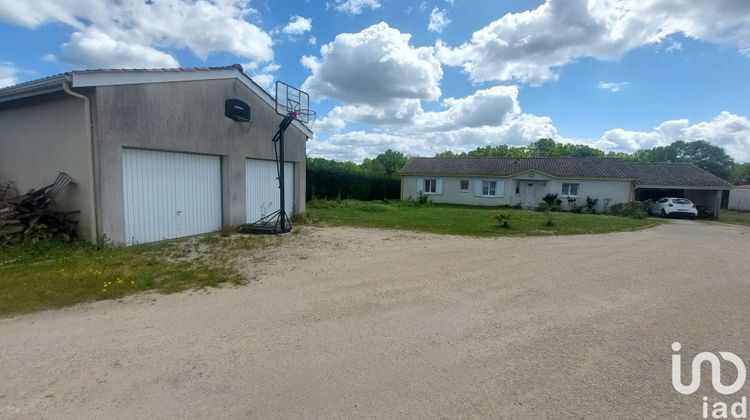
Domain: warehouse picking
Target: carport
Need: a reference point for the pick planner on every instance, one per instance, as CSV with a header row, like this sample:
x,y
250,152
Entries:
x,y
656,180
710,198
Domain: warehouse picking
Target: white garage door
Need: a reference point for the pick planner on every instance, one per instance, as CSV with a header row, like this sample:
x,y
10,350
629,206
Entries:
x,y
170,195
262,195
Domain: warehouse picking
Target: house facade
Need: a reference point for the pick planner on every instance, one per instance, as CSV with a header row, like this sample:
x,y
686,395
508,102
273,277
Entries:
x,y
152,154
509,181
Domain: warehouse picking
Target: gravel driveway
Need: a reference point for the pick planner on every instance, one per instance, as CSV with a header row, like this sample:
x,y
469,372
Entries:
x,y
375,323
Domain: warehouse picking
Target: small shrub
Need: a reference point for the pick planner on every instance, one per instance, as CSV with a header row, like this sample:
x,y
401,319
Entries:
x,y
424,199
591,204
517,206
633,209
576,209
542,207
503,218
551,200
555,207
550,222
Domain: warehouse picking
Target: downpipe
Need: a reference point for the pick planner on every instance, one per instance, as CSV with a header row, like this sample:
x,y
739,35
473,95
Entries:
x,y
94,227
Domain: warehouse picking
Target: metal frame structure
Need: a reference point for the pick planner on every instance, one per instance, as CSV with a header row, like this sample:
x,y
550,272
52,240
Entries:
x,y
292,104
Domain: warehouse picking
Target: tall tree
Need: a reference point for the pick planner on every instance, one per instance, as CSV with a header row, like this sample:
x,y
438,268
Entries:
x,y
712,158
388,162
740,174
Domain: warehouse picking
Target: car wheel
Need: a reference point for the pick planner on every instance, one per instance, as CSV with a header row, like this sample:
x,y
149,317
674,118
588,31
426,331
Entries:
x,y
693,217
663,213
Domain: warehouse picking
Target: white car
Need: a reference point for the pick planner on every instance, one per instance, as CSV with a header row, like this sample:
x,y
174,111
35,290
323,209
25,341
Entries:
x,y
672,206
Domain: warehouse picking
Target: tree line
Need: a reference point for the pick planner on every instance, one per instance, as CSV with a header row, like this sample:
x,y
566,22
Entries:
x,y
376,178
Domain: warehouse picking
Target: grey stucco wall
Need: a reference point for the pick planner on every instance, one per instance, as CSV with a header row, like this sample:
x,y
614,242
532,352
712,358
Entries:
x,y
617,191
708,198
186,117
42,136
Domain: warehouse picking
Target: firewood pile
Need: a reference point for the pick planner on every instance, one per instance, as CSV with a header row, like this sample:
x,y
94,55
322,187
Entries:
x,y
29,217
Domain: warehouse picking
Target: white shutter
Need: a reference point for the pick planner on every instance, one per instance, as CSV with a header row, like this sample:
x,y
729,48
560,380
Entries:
x,y
439,187
500,189
478,188
420,185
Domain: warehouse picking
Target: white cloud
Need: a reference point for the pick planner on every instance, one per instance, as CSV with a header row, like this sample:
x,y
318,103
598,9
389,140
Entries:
x,y
95,49
7,75
674,46
727,130
312,40
32,14
438,20
297,25
375,66
354,7
529,46
135,33
358,145
613,87
487,107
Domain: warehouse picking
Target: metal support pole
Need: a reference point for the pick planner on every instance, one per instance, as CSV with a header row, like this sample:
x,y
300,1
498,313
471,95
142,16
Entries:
x,y
282,212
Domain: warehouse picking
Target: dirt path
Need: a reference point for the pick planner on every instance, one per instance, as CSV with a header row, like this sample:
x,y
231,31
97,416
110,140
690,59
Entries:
x,y
372,323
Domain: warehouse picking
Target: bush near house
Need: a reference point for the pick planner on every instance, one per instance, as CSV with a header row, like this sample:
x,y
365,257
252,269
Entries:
x,y
633,209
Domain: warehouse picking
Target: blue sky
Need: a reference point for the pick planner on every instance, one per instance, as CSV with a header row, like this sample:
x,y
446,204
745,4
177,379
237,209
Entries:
x,y
423,77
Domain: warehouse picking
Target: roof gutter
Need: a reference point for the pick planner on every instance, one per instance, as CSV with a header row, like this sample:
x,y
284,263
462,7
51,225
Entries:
x,y
41,87
88,128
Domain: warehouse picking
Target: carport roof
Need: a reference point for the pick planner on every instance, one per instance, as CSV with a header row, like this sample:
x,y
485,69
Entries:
x,y
651,174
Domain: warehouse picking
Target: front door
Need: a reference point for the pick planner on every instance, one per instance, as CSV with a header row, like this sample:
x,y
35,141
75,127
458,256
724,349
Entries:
x,y
529,196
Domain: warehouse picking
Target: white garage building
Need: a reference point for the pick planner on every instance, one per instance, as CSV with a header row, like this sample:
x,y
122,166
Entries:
x,y
152,154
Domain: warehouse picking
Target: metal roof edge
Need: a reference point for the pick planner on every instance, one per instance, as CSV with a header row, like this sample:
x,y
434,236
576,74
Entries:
x,y
93,78
34,88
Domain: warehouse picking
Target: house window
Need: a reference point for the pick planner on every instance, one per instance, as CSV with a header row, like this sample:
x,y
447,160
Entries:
x,y
430,186
464,185
488,188
569,190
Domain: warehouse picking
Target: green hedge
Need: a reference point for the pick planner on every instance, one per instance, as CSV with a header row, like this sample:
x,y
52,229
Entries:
x,y
334,183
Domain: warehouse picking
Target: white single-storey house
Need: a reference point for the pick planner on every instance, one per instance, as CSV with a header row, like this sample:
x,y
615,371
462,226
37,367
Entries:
x,y
525,181
154,152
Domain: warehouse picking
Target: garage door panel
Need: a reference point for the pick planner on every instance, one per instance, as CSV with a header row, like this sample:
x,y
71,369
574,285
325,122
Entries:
x,y
262,188
170,195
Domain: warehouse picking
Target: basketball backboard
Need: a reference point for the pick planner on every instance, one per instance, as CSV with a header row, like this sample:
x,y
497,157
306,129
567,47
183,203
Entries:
x,y
292,100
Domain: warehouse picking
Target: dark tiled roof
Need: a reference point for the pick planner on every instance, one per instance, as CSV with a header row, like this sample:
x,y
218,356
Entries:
x,y
666,174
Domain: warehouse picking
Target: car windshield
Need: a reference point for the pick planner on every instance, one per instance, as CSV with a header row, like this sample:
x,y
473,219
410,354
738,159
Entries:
x,y
681,201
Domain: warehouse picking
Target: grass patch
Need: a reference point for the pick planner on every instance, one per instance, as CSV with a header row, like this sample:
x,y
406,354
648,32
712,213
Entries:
x,y
735,217
464,220
54,274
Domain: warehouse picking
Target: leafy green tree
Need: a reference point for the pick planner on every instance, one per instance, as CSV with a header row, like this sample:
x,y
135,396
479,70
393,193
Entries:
x,y
712,158
388,162
549,147
740,174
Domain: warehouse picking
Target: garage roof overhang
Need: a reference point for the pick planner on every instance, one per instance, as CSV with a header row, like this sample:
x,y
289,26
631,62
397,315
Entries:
x,y
683,187
93,78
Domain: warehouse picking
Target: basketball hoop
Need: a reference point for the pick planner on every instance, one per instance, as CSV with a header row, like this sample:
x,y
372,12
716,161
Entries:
x,y
306,116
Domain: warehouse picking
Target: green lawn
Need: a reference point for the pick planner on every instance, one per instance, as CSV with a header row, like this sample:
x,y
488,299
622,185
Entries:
x,y
53,274
464,220
735,217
